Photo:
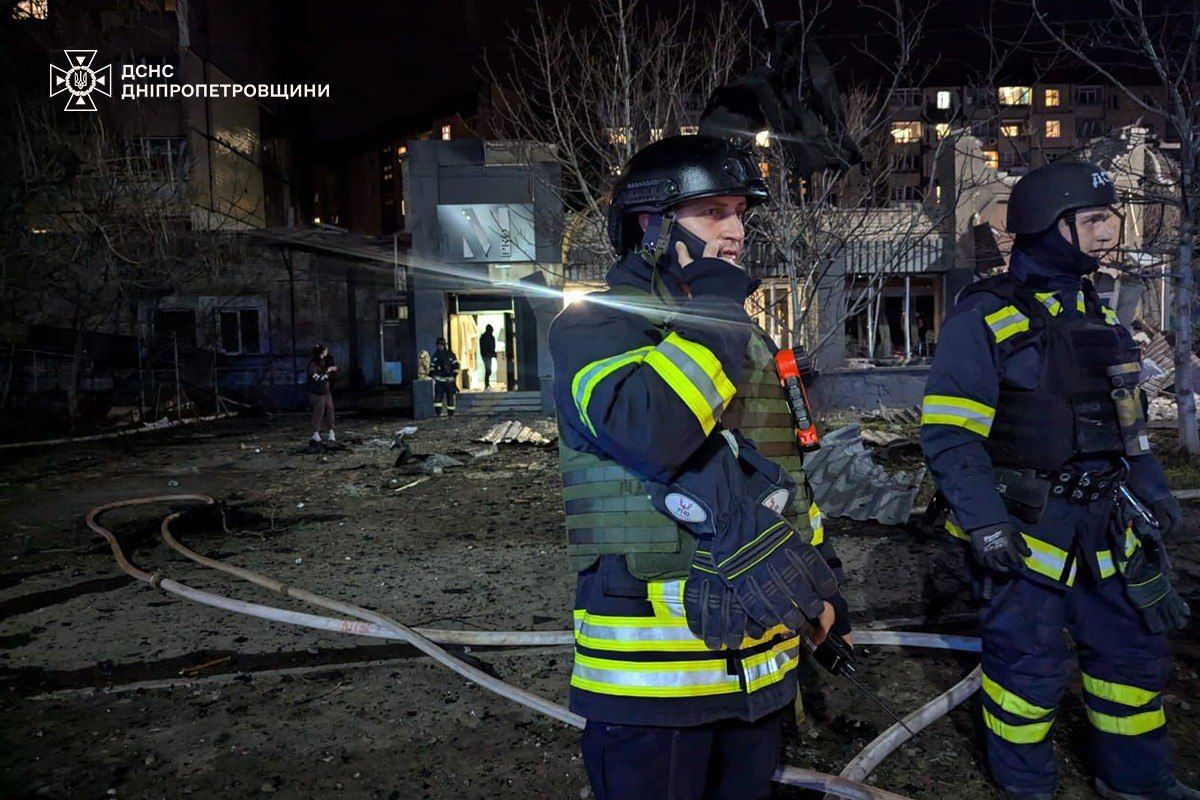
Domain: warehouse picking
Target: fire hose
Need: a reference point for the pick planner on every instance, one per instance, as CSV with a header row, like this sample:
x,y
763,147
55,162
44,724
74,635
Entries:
x,y
370,623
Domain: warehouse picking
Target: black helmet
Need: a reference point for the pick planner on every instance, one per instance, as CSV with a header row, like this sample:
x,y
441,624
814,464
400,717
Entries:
x,y
1046,193
674,170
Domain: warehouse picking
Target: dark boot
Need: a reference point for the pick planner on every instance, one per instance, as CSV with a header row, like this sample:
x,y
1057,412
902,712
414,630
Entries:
x,y
1174,791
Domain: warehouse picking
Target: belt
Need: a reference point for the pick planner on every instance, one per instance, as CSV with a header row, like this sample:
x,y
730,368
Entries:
x,y
1087,486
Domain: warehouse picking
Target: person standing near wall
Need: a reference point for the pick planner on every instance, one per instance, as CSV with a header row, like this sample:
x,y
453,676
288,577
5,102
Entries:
x,y
443,368
321,370
487,351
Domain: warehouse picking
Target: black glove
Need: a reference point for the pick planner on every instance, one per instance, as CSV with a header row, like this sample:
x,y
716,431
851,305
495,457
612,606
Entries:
x,y
999,547
1150,590
841,615
713,613
717,277
1169,516
731,498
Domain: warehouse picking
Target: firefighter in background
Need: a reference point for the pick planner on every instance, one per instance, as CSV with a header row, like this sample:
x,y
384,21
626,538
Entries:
x,y
661,383
1032,427
443,368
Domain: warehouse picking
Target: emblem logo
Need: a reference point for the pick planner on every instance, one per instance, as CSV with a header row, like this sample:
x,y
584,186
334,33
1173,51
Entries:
x,y
79,80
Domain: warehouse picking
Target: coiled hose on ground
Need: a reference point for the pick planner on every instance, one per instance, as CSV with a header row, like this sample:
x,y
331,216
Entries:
x,y
371,623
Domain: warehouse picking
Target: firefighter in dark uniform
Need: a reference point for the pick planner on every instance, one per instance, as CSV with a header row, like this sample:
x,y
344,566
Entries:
x,y
443,368
666,390
1032,426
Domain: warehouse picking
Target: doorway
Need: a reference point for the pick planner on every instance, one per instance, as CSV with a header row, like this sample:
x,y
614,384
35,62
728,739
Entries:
x,y
470,317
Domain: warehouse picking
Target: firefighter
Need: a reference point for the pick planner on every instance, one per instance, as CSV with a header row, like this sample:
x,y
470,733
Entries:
x,y
665,388
1032,427
443,368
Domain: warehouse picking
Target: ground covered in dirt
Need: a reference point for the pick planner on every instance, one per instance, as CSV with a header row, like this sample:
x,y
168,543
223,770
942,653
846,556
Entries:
x,y
109,688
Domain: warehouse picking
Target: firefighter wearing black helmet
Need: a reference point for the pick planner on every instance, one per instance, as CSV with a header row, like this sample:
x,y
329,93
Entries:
x,y
1031,426
662,380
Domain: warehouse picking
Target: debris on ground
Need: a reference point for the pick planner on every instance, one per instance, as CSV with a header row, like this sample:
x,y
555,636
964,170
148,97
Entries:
x,y
541,433
437,463
477,451
1164,407
896,416
848,483
881,438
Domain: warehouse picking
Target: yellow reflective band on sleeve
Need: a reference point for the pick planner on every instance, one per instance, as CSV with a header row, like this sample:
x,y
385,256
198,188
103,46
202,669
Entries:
x,y
1134,725
955,530
1124,694
942,409
1032,733
1011,703
817,523
695,374
1080,305
1006,322
586,379
1110,316
1050,302
770,667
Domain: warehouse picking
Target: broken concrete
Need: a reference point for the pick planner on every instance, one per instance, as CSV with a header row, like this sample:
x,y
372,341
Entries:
x,y
848,483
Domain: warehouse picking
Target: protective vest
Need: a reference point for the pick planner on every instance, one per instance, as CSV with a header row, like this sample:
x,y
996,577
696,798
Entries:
x,y
1070,414
608,511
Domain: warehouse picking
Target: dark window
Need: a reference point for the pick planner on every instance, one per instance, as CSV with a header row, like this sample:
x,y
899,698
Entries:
x,y
1089,127
906,162
172,323
238,331
1087,95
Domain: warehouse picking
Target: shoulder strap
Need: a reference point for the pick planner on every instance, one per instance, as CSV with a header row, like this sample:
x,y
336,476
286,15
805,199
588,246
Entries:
x,y
1011,290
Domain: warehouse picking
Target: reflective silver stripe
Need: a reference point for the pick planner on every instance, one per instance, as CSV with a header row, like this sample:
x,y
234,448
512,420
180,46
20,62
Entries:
x,y
695,374
767,668
653,678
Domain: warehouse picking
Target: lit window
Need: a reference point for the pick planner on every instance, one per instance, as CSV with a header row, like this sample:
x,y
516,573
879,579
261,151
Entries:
x,y
992,158
942,129
1010,130
1015,95
31,9
401,150
943,100
937,192
1053,128
656,134
765,169
689,130
445,132
1052,98
316,220
618,135
904,132
762,138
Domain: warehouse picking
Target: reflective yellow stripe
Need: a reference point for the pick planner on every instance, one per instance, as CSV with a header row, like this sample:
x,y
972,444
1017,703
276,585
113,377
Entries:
x,y
941,409
653,678
1048,560
1134,725
1110,316
1017,734
1080,305
707,362
1122,693
955,530
695,375
666,598
771,666
1050,302
1105,557
590,375
1006,322
817,523
1011,703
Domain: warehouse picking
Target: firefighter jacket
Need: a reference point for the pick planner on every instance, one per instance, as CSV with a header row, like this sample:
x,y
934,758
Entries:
x,y
443,366
643,375
1019,381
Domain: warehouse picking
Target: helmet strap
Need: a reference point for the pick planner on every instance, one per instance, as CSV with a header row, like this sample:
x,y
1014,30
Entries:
x,y
1070,218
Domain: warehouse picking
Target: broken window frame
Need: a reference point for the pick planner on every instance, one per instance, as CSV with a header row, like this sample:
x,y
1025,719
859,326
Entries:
x,y
240,328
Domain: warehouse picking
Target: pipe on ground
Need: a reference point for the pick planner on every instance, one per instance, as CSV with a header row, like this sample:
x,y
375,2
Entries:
x,y
371,623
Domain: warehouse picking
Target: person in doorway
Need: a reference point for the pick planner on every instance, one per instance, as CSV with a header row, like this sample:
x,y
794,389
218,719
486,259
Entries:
x,y
1034,435
663,386
321,370
487,351
443,368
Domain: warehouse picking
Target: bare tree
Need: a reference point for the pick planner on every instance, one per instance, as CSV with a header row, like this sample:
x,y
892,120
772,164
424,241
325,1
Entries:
x,y
598,89
1164,43
95,224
